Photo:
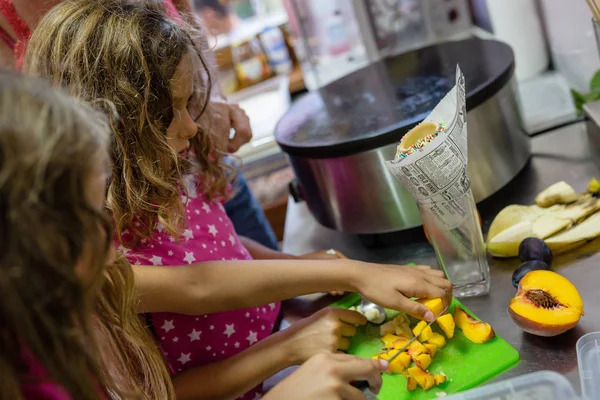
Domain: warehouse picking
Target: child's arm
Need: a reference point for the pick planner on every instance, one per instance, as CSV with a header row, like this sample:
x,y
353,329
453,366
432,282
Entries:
x,y
215,286
324,332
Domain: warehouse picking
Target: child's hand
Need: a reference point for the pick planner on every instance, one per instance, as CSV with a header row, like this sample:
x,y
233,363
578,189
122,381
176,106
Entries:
x,y
392,286
328,377
330,254
326,331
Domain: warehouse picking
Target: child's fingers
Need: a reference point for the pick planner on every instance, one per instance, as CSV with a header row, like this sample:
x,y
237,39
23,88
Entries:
x,y
347,330
360,369
414,309
440,282
343,344
351,317
422,267
436,272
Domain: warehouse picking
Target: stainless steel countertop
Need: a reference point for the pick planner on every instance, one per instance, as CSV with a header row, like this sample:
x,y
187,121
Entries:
x,y
564,154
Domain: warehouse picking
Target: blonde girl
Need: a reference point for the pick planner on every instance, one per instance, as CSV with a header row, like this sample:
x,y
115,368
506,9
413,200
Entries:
x,y
166,192
60,306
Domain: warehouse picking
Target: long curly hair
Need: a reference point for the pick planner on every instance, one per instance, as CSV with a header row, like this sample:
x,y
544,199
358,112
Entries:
x,y
49,230
125,52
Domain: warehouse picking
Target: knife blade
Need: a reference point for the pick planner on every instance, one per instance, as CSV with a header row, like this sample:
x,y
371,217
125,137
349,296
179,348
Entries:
x,y
364,385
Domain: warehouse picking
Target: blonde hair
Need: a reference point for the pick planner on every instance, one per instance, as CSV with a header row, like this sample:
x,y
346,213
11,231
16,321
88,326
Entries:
x,y
49,145
126,52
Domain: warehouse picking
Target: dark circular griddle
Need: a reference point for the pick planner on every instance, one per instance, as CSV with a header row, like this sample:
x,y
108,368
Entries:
x,y
377,105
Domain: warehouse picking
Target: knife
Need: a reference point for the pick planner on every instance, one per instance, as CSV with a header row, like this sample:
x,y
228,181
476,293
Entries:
x,y
364,385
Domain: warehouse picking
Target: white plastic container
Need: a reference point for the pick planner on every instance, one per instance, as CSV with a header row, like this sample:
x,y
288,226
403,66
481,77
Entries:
x,y
588,358
542,385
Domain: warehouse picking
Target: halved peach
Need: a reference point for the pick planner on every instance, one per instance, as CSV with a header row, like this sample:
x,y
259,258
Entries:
x,y
446,322
546,304
423,331
476,331
437,340
399,363
435,305
423,378
423,361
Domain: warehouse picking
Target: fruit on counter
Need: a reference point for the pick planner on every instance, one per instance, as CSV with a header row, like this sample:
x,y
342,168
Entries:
x,y
506,243
511,215
415,349
546,304
423,331
446,323
400,363
436,305
535,249
576,236
476,331
559,193
527,267
437,340
513,224
388,340
424,379
593,186
439,379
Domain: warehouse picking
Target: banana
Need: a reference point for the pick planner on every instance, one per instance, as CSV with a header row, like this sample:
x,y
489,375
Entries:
x,y
506,243
578,235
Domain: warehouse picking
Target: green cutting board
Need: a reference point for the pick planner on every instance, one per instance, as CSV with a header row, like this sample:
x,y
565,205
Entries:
x,y
465,363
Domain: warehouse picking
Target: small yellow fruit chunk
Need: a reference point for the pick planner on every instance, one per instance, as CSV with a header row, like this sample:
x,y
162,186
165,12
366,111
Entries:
x,y
423,361
423,378
389,339
437,340
423,331
411,384
400,343
435,305
439,379
415,349
446,322
431,349
399,363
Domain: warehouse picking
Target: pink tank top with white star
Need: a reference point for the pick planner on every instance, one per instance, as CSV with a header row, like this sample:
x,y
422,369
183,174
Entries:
x,y
209,235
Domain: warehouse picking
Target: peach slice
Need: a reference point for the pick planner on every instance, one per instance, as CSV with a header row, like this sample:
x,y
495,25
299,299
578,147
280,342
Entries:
x,y
437,340
399,363
476,331
400,343
423,331
423,378
423,361
435,305
546,304
431,349
446,322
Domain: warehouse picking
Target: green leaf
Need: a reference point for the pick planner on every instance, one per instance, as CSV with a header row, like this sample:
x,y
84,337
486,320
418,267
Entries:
x,y
591,97
579,101
595,82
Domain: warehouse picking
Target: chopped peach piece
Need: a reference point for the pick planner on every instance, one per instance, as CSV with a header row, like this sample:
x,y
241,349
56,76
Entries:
x,y
387,328
439,379
435,305
411,384
388,355
476,331
423,361
437,340
399,363
389,339
423,378
423,331
446,322
415,349
431,349
400,343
